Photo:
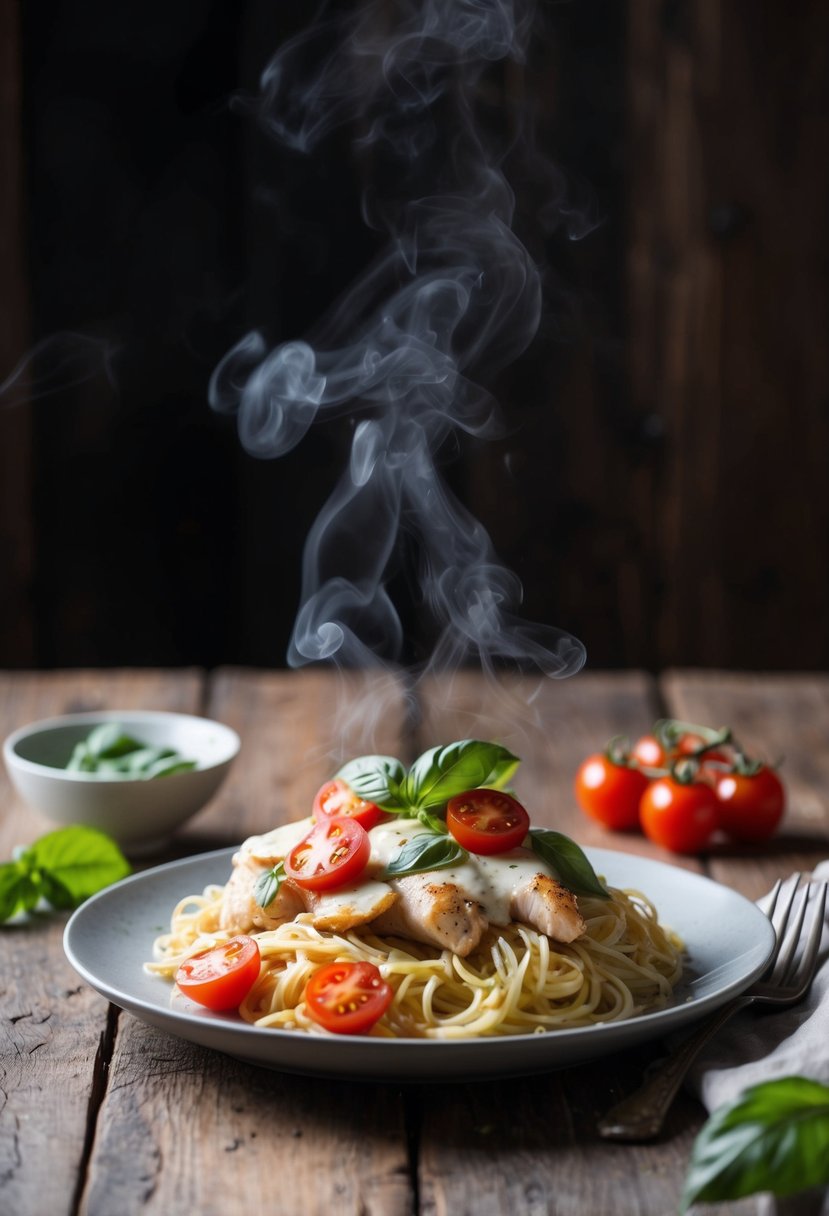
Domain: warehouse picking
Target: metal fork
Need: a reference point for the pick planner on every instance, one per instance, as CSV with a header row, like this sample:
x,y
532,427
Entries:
x,y
785,981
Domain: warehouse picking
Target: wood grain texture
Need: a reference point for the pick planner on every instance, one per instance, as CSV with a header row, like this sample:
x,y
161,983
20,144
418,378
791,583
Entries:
x,y
55,1031
773,715
183,1130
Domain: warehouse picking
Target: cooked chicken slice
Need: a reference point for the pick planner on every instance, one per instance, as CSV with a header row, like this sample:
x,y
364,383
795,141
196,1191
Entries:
x,y
346,907
435,912
549,907
275,845
240,913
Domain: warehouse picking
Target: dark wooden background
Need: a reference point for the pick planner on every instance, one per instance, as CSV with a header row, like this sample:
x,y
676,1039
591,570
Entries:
x,y
662,492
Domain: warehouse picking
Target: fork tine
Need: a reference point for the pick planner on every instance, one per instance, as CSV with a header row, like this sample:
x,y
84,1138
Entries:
x,y
808,961
779,915
791,933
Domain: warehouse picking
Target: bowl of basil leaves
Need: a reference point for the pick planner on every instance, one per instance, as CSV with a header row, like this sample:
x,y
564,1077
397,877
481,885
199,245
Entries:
x,y
135,774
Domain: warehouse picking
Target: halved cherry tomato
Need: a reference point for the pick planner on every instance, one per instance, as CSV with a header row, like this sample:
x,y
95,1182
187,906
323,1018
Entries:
x,y
347,998
610,792
334,852
680,817
487,821
335,799
221,976
751,807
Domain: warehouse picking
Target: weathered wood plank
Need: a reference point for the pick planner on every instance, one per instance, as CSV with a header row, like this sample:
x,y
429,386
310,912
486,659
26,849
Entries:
x,y
183,1130
55,1030
531,1145
296,729
26,696
773,715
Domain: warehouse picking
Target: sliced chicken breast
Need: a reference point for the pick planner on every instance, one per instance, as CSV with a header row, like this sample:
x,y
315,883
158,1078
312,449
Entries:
x,y
545,905
240,913
435,912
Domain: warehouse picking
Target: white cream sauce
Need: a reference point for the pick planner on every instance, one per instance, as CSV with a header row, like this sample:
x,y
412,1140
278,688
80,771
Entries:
x,y
489,881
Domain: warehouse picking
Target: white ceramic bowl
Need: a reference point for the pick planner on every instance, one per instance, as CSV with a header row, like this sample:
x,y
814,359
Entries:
x,y
140,814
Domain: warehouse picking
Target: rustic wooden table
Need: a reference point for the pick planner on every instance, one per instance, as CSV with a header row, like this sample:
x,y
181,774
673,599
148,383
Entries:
x,y
105,1116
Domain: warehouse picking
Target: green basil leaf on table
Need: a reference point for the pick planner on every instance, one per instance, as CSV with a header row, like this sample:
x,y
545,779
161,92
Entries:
x,y
773,1137
63,867
442,772
82,859
266,887
17,891
376,779
567,861
425,852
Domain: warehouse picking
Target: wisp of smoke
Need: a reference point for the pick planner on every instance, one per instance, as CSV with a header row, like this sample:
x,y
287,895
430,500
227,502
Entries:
x,y
57,363
453,297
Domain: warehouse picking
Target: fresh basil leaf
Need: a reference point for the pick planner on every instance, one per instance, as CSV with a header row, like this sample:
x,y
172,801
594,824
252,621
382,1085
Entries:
x,y
425,852
109,740
81,859
774,1137
166,766
266,887
376,779
433,822
504,771
442,772
17,891
81,760
567,861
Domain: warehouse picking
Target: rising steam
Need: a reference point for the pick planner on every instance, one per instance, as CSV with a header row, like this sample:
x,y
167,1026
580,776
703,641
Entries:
x,y
454,297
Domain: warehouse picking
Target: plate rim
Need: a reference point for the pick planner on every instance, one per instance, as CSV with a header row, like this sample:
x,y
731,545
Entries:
x,y
238,1035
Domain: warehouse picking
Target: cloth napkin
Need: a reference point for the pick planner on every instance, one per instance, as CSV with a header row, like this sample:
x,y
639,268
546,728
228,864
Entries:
x,y
753,1047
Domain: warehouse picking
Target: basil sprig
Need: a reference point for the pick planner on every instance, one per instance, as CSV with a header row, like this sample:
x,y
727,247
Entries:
x,y
433,779
425,852
110,751
774,1137
567,861
63,868
266,887
377,779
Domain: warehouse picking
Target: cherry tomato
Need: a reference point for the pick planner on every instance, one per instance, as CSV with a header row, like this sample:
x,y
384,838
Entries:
x,y
679,817
487,821
750,807
222,976
335,799
610,792
690,744
334,852
649,752
347,998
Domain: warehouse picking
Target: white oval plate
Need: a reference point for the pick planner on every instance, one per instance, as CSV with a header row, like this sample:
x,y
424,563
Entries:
x,y
110,937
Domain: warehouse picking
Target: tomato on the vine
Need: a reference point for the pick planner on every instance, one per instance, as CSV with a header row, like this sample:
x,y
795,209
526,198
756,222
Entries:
x,y
609,792
347,998
750,805
334,852
335,799
680,816
648,752
221,976
487,821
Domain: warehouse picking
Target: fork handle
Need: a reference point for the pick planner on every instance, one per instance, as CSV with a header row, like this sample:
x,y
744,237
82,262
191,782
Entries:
x,y
641,1115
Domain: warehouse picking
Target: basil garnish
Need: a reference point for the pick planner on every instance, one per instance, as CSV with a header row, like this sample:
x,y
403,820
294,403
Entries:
x,y
567,861
112,752
376,779
442,772
266,887
425,852
63,867
774,1137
